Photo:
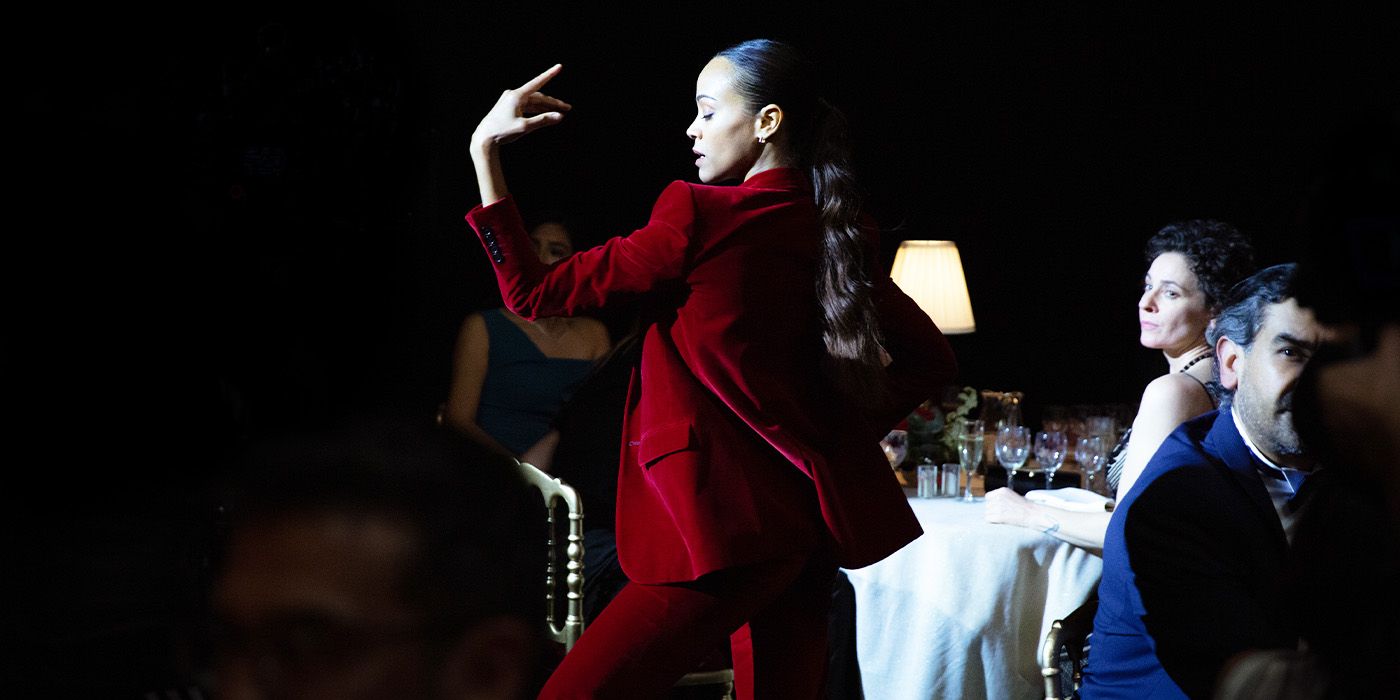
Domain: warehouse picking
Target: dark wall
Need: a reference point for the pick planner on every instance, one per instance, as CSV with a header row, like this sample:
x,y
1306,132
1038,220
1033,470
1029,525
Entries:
x,y
245,221
290,183
1048,143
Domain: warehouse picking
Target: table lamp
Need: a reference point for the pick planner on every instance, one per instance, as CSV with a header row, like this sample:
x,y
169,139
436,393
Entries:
x,y
931,273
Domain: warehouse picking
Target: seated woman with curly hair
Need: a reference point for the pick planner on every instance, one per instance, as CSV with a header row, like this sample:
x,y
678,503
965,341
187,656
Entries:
x,y
1191,265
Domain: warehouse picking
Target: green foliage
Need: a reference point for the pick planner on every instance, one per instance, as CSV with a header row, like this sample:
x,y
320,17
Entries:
x,y
948,438
933,432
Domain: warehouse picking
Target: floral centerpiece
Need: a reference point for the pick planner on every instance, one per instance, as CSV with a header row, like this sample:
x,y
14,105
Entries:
x,y
934,428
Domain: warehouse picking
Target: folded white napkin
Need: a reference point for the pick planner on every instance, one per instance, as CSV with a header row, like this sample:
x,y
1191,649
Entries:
x,y
1070,499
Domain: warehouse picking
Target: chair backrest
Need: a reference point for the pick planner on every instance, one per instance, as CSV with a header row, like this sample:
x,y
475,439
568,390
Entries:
x,y
569,585
1066,650
555,492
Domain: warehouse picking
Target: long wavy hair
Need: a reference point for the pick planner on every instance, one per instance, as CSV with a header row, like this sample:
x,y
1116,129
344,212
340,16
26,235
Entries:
x,y
771,72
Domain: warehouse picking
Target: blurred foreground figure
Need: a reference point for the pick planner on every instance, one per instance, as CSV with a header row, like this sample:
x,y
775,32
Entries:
x,y
1346,555
1351,276
382,562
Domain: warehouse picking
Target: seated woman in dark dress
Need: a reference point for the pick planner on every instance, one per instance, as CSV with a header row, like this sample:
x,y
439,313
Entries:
x,y
583,450
511,376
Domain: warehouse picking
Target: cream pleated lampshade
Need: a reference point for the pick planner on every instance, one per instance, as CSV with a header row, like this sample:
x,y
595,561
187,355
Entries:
x,y
931,273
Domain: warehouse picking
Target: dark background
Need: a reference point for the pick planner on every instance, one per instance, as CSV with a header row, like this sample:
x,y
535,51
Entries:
x,y
243,221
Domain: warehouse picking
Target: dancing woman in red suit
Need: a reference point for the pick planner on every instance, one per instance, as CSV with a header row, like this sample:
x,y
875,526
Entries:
x,y
775,357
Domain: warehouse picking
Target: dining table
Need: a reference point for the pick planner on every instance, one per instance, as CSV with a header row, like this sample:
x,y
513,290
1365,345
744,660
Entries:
x,y
962,611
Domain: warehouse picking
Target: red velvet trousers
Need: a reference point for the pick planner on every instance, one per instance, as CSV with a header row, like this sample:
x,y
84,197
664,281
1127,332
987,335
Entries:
x,y
774,615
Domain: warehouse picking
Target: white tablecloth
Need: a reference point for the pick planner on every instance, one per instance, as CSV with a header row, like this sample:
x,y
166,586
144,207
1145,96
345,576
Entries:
x,y
961,612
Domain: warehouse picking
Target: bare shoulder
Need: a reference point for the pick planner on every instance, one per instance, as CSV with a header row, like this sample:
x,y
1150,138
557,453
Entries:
x,y
595,333
472,338
1175,398
474,325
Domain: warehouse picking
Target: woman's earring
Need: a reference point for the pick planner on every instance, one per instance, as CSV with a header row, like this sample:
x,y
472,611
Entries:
x,y
760,139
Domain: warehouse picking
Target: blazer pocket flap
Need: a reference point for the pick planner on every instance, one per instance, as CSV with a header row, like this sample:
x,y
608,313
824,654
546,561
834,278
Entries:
x,y
665,440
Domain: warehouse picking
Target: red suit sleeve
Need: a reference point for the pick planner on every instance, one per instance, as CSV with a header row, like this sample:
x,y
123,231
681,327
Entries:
x,y
585,280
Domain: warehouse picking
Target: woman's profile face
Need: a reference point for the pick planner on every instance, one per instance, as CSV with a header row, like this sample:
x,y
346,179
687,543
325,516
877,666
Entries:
x,y
552,242
724,128
1172,313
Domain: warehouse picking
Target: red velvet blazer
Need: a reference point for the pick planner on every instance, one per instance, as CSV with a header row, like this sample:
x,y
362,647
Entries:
x,y
738,448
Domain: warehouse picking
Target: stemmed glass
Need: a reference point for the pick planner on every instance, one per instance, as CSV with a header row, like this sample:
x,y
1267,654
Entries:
x,y
1013,447
1091,453
1051,446
896,447
970,441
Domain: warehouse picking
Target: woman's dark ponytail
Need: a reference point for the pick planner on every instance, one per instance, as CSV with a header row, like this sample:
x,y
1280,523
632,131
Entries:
x,y
850,327
770,72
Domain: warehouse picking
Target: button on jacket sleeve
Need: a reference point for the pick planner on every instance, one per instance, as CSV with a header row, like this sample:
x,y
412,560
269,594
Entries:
x,y
585,280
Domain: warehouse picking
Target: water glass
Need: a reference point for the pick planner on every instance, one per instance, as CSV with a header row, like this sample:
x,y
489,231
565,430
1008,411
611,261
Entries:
x,y
1013,446
1091,453
949,487
930,480
1051,447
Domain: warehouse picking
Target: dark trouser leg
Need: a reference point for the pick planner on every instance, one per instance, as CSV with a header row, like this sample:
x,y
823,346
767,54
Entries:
x,y
843,673
603,577
782,651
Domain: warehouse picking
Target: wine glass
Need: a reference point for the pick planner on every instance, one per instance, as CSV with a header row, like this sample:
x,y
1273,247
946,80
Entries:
x,y
1011,412
1091,453
896,447
1051,446
1103,426
971,438
1013,447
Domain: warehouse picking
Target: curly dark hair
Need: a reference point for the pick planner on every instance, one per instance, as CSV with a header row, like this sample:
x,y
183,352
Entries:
x,y
1219,254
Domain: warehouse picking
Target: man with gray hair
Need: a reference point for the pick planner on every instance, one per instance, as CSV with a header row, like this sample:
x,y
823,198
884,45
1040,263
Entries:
x,y
1195,553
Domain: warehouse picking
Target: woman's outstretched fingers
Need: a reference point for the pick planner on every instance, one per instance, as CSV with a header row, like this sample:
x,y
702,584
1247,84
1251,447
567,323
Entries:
x,y
538,101
520,111
539,81
541,110
539,120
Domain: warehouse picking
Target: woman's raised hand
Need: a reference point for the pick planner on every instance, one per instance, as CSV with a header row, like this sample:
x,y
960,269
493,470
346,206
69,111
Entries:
x,y
520,111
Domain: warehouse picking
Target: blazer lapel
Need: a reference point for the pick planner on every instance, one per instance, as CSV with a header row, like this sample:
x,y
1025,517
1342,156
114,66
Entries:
x,y
1225,442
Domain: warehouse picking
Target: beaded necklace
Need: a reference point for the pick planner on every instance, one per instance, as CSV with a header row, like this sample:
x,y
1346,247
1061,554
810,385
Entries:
x,y
1196,359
